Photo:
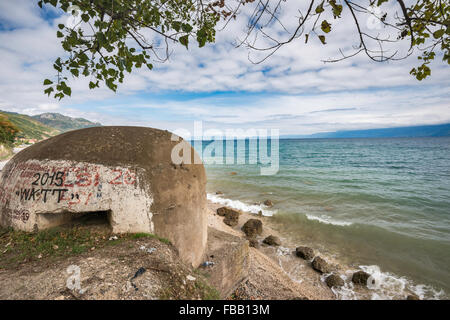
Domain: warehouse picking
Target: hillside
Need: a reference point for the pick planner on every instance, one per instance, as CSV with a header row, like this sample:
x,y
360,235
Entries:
x,y
64,123
29,127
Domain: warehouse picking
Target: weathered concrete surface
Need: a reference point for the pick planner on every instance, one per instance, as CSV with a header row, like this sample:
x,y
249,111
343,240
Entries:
x,y
106,273
126,171
60,189
230,255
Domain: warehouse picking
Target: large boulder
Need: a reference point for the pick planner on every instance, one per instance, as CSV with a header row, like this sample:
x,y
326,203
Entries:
x,y
334,280
231,218
360,277
252,228
268,203
304,253
319,264
223,211
272,241
126,172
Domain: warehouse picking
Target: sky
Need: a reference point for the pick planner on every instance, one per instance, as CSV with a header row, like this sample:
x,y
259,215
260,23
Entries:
x,y
293,91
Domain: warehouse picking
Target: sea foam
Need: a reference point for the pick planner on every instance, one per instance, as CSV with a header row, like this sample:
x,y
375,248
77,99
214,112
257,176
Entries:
x,y
386,286
239,205
328,220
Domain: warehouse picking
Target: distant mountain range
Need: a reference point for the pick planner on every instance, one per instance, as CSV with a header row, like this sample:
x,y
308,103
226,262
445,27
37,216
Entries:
x,y
45,125
64,123
439,130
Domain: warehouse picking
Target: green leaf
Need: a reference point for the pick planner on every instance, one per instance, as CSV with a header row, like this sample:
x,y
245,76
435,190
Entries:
x,y
61,26
201,37
186,27
319,8
176,25
439,33
75,72
322,39
48,91
67,91
306,38
184,40
59,34
325,26
47,82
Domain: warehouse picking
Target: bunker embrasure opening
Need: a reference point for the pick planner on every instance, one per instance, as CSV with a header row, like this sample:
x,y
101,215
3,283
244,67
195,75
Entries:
x,y
100,219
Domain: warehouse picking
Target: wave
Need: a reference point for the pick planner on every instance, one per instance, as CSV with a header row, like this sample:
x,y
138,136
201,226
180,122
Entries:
x,y
383,286
239,205
328,220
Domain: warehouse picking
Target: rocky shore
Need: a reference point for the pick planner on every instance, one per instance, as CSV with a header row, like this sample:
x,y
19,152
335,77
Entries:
x,y
283,269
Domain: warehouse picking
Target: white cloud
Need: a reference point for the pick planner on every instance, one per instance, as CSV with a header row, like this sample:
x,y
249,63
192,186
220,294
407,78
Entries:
x,y
294,82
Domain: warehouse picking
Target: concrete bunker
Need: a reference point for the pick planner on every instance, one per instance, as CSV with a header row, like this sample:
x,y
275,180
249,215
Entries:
x,y
124,174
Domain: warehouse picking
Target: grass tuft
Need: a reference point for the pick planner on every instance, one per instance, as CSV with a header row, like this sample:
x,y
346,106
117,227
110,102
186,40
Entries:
x,y
140,235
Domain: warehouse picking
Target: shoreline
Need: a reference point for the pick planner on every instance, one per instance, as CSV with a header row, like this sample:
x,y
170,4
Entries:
x,y
291,273
267,280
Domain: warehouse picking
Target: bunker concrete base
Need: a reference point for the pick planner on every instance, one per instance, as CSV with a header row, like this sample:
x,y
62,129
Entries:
x,y
230,255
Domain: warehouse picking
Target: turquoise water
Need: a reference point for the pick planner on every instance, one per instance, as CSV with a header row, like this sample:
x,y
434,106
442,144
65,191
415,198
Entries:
x,y
383,202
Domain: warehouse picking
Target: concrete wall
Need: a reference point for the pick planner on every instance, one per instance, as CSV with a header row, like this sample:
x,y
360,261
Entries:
x,y
40,194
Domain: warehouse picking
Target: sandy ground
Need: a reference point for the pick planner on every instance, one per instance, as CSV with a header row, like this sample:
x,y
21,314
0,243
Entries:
x,y
275,272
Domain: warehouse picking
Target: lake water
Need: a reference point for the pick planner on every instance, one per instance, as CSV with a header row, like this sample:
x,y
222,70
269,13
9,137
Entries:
x,y
376,203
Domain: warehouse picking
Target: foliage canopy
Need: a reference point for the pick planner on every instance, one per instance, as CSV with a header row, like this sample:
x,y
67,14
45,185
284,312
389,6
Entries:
x,y
110,37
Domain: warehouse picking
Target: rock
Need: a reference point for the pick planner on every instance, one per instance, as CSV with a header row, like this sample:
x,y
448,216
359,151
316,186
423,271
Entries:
x,y
272,240
304,253
321,265
268,203
231,218
260,213
253,243
334,281
219,192
360,277
190,278
233,173
252,228
412,297
221,211
224,210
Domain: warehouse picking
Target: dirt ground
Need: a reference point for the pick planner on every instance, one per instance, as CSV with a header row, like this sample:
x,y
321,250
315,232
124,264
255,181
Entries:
x,y
141,267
